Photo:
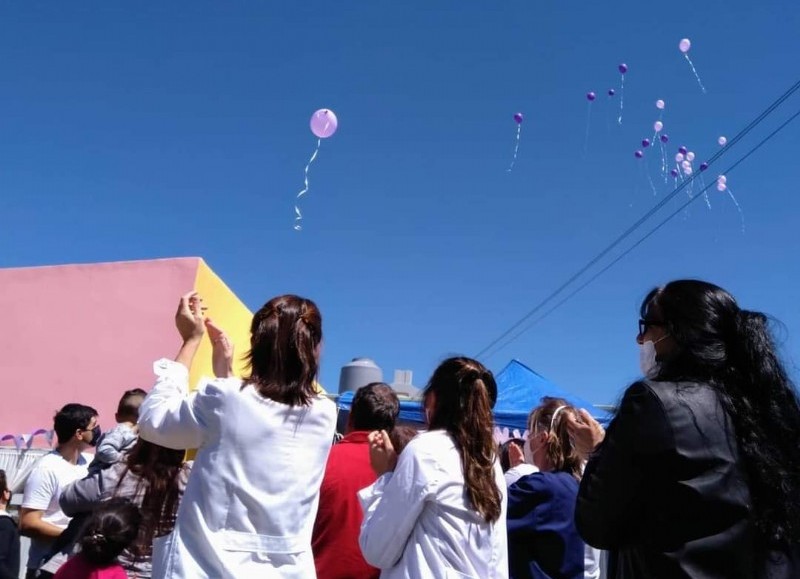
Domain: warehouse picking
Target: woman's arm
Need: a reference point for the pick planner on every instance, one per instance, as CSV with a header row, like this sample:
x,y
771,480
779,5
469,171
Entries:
x,y
392,506
82,496
616,475
169,415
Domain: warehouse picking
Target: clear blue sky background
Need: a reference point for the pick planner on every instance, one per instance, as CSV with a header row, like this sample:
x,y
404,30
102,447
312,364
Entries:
x,y
135,130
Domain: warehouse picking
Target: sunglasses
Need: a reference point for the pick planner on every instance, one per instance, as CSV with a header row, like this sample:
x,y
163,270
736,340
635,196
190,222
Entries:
x,y
645,324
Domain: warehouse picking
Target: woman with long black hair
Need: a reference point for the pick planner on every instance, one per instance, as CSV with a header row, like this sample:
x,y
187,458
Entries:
x,y
699,472
439,510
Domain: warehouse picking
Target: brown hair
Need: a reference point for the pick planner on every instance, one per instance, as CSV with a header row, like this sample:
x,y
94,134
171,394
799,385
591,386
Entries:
x,y
465,392
560,450
375,407
284,337
158,470
401,435
129,404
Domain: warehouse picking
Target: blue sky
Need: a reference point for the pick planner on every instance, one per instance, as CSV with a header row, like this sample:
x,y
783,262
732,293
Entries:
x,y
143,130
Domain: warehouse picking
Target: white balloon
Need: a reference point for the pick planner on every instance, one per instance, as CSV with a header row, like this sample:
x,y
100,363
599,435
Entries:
x,y
658,125
722,179
722,141
686,163
721,186
679,157
690,156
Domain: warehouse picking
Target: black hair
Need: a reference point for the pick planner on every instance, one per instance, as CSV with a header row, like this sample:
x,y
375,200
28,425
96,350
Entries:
x,y
129,404
3,484
110,530
732,350
70,418
375,407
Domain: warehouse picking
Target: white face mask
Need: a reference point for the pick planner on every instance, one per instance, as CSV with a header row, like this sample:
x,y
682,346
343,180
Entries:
x,y
647,358
527,452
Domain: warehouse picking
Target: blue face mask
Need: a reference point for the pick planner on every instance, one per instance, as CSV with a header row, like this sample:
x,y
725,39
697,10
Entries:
x,y
96,432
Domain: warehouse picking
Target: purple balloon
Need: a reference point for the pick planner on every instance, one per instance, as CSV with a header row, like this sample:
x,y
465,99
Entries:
x,y
664,138
324,123
674,172
645,143
683,150
638,154
591,96
703,166
623,68
518,118
611,92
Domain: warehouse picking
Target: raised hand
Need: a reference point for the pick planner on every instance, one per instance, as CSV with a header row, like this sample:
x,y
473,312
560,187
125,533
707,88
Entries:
x,y
585,431
189,319
221,350
382,455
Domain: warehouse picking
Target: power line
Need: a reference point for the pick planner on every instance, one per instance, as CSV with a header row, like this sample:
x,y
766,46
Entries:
x,y
619,258
639,222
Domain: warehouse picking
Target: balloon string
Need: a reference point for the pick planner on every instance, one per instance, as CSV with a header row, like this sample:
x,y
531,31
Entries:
x,y
588,123
697,76
705,192
621,97
299,216
650,179
516,148
738,208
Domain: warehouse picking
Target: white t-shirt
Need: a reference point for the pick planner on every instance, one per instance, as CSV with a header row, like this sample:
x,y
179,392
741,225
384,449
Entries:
x,y
42,491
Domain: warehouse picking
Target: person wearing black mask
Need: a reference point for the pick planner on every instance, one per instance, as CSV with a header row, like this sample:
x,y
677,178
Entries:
x,y
41,517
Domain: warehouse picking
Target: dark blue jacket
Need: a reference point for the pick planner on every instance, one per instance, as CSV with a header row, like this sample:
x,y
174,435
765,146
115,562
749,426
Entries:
x,y
543,542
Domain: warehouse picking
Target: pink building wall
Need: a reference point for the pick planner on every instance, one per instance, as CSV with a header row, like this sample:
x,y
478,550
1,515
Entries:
x,y
84,333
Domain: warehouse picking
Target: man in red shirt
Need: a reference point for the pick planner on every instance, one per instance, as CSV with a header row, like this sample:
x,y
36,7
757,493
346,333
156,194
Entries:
x,y
335,538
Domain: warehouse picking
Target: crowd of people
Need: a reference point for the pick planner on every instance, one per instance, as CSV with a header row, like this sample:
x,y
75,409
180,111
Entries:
x,y
697,476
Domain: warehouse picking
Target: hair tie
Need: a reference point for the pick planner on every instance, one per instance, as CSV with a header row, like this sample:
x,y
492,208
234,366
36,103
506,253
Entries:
x,y
555,414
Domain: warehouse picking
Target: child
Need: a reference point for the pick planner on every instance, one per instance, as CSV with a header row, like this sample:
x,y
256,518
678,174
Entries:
x,y
119,440
112,528
9,535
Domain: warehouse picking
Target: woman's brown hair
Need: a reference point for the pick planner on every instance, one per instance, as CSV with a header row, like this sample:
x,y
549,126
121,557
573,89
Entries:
x,y
464,393
551,417
284,339
158,471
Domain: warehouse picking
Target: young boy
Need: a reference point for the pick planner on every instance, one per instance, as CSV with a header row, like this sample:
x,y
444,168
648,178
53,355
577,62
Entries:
x,y
119,440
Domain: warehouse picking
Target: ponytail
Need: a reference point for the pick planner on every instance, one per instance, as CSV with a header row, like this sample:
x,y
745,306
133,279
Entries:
x,y
465,395
551,417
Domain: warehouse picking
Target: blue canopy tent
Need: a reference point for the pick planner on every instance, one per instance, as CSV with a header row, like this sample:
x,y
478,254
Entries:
x,y
519,390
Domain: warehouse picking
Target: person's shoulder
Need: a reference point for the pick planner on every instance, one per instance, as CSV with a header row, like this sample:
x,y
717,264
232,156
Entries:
x,y
430,442
324,404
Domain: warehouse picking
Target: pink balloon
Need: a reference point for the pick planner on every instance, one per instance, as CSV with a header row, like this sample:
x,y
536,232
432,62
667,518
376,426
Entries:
x,y
690,156
660,105
686,164
324,123
678,157
721,186
658,125
722,179
684,45
688,170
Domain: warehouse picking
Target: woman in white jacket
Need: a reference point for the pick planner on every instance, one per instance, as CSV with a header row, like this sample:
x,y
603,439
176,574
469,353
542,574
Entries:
x,y
249,507
440,509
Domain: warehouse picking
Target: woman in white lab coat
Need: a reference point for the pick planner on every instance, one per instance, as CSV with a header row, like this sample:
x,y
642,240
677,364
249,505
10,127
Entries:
x,y
249,507
440,509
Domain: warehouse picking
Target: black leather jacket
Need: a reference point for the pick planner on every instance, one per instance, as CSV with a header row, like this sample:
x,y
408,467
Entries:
x,y
666,492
